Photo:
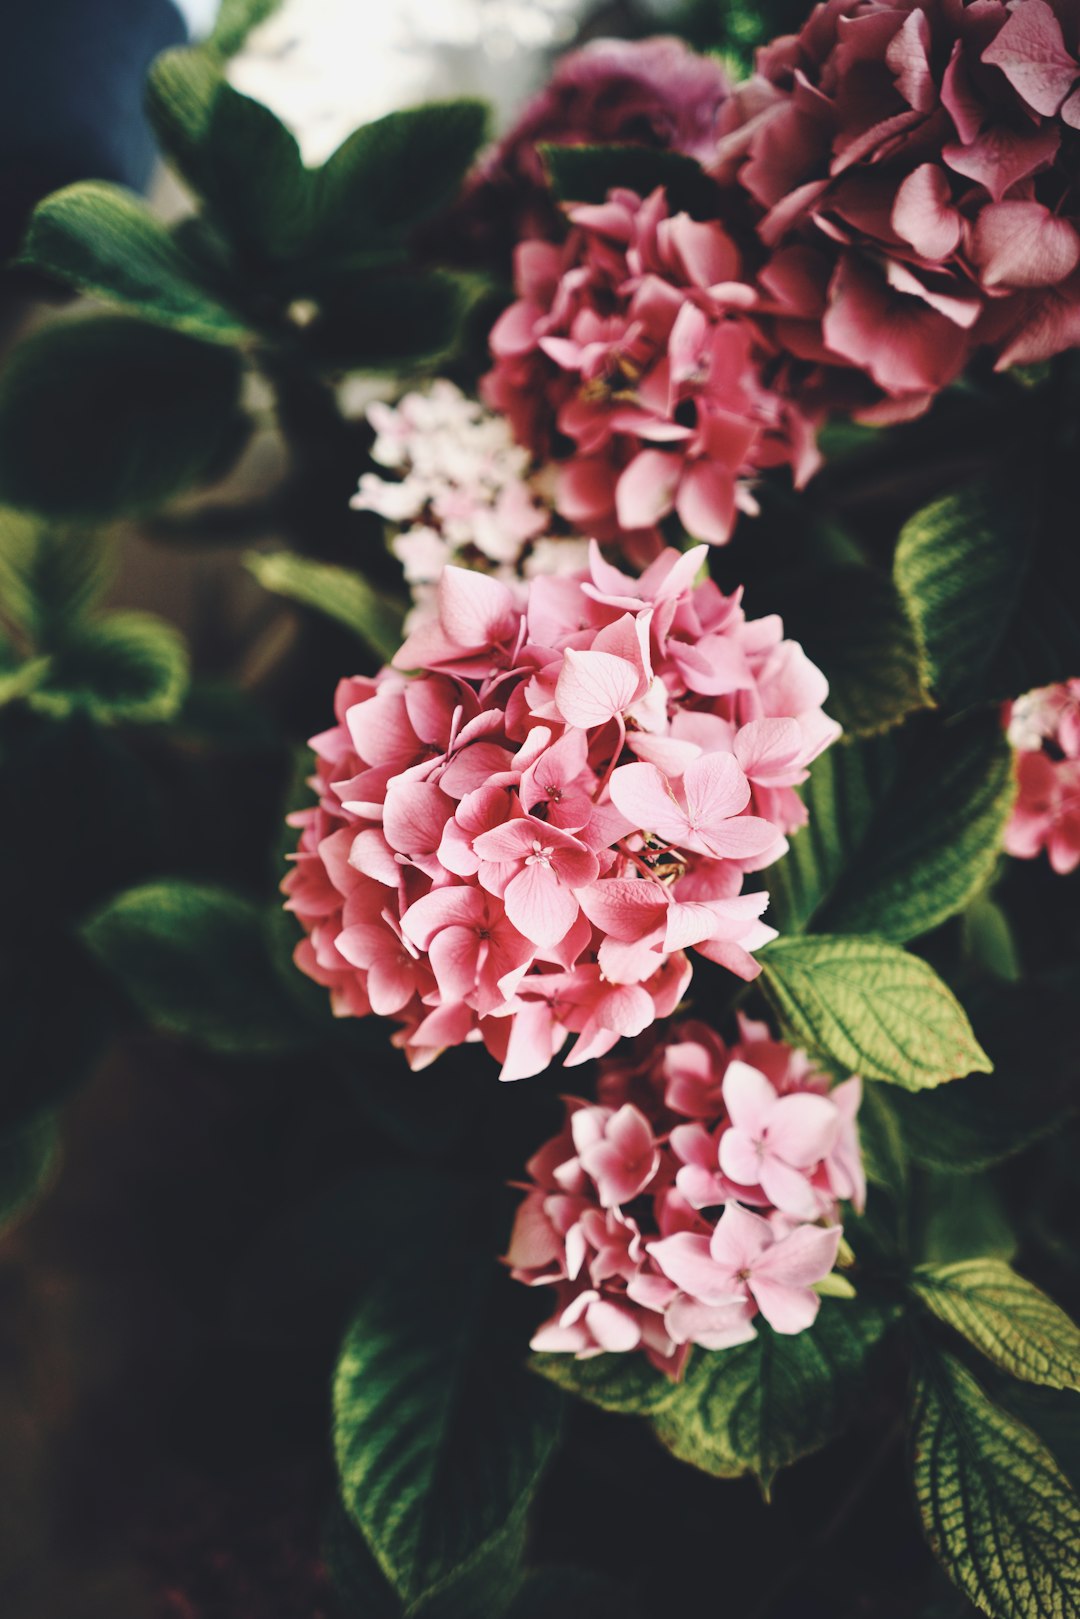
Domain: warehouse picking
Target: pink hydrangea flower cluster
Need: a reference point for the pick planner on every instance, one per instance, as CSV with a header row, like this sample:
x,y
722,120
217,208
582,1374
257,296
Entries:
x,y
648,92
913,164
461,492
520,840
701,1190
630,342
1044,727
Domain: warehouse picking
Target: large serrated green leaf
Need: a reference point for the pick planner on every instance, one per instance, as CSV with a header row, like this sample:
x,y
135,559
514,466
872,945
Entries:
x,y
101,240
1006,1317
758,1407
903,831
866,1007
122,669
440,1435
140,412
992,582
337,592
998,1512
193,959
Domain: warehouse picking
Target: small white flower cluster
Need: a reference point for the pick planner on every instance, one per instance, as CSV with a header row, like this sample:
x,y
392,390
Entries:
x,y
464,494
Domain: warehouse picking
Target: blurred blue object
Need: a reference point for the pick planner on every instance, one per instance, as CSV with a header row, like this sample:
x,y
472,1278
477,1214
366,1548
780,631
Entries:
x,y
72,74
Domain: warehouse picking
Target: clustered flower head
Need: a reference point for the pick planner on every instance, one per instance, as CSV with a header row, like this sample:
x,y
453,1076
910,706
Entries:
x,y
1044,727
629,358
649,92
463,493
913,164
700,1190
520,840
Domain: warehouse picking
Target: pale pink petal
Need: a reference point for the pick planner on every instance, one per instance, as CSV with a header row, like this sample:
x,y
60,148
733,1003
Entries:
x,y
538,904
803,1128
594,686
685,1260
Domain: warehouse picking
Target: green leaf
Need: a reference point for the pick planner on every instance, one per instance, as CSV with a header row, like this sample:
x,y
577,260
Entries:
x,y
124,669
17,678
384,322
392,174
903,831
235,21
27,1158
962,1217
993,586
998,1512
988,940
588,173
573,1593
866,1007
103,241
975,1123
1007,1319
440,1436
337,592
138,413
234,154
50,578
759,1407
193,959
853,624
612,1382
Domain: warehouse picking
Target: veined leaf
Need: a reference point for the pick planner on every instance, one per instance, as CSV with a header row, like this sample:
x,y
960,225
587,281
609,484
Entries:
x,y
762,1405
903,832
123,669
337,592
612,1382
852,622
998,1512
1007,1319
866,1007
193,959
440,1435
236,19
103,241
992,583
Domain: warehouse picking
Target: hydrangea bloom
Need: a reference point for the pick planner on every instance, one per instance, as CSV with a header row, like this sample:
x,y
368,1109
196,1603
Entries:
x,y
521,840
463,492
913,164
700,1190
630,340
650,92
1044,727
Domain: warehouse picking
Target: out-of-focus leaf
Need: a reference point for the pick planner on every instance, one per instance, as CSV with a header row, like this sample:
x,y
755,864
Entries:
x,y
125,668
108,417
103,241
193,960
49,577
27,1156
338,592
962,1217
588,173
